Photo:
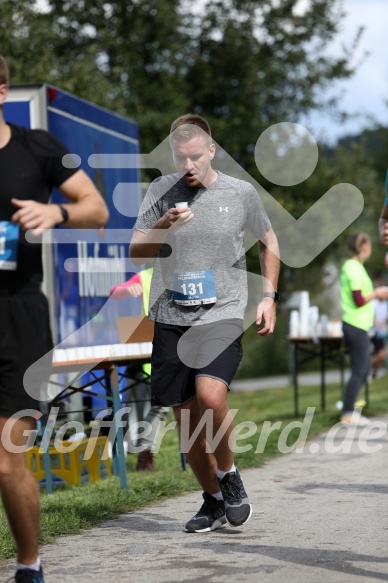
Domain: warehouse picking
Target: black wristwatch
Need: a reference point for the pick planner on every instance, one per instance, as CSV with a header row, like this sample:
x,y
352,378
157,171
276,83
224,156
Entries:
x,y
65,214
274,295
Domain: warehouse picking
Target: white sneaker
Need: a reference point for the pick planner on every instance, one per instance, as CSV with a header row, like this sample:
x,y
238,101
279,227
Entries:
x,y
354,418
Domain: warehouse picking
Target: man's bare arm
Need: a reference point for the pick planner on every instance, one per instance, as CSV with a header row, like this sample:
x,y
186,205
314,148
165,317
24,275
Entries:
x,y
87,208
270,268
269,261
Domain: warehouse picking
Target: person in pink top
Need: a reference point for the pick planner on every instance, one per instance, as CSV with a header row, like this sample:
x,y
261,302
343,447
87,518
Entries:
x,y
138,286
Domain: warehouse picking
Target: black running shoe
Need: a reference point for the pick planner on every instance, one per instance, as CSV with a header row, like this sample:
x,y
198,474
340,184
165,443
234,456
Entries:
x,y
29,576
237,508
210,516
145,461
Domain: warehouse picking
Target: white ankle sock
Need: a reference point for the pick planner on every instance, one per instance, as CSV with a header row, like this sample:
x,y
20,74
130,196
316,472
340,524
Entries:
x,y
221,474
34,566
217,496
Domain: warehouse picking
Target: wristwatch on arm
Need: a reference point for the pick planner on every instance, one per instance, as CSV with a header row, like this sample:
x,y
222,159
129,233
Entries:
x,y
274,295
64,213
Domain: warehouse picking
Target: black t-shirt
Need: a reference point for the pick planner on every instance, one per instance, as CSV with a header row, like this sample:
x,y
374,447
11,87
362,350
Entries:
x,y
30,166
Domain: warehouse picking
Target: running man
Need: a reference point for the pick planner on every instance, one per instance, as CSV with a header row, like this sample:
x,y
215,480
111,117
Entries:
x,y
198,298
138,286
31,164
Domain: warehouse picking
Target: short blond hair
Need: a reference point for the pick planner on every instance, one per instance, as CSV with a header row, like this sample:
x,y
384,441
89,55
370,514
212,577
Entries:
x,y
189,126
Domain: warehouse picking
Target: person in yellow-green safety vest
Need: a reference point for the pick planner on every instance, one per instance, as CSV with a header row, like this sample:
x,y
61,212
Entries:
x,y
139,286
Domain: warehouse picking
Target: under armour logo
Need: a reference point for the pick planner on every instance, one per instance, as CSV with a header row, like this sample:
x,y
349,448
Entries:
x,y
224,209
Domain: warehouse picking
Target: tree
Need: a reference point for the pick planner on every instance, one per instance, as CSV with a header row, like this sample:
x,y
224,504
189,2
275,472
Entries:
x,y
137,48
37,52
344,164
257,63
243,64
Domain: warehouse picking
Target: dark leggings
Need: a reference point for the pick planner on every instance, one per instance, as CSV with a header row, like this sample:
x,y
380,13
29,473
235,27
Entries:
x,y
357,341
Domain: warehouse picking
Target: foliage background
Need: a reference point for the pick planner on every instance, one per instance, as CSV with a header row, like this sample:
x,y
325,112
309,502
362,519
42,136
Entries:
x,y
244,65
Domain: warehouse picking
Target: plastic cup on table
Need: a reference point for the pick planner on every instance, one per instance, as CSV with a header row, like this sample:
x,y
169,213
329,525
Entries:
x,y
99,352
294,323
122,350
59,355
80,353
117,350
88,352
71,355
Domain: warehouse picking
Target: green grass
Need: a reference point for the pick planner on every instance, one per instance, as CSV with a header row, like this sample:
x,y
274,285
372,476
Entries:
x,y
73,509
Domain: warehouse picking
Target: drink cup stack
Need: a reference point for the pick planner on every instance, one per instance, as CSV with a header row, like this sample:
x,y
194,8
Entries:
x,y
304,305
294,324
313,321
324,325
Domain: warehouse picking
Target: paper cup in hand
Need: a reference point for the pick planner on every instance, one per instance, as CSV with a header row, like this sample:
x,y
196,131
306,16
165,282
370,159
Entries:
x,y
181,205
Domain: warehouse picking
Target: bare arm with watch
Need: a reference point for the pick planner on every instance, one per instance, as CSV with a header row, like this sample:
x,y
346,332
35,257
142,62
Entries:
x,y
270,266
86,209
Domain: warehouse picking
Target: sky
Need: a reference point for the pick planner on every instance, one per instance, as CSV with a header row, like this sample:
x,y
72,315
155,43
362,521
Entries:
x,y
365,94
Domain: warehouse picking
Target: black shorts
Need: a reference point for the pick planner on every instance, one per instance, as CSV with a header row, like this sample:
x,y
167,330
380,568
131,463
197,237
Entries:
x,y
25,337
378,344
182,353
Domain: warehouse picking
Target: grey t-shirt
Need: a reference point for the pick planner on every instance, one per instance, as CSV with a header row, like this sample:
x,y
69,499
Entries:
x,y
212,240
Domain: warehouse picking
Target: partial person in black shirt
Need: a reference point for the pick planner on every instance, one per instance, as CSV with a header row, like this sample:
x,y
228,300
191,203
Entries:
x,y
31,163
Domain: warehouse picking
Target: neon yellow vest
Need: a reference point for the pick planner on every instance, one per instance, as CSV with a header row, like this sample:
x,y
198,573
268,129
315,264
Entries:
x,y
145,277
